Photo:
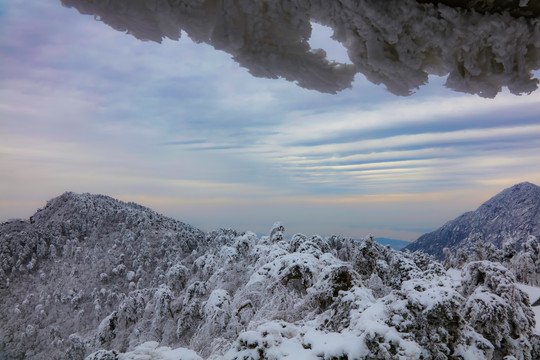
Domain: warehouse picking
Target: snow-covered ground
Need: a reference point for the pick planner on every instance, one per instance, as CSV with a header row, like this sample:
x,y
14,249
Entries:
x,y
455,274
534,294
150,350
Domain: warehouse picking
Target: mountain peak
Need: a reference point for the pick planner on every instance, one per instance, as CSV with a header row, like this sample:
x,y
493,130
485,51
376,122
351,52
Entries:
x,y
523,187
71,205
511,215
514,196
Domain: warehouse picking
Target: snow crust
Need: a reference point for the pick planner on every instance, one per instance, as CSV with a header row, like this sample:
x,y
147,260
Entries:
x,y
398,43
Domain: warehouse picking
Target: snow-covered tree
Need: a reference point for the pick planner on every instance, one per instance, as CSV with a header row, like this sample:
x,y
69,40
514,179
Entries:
x,y
232,295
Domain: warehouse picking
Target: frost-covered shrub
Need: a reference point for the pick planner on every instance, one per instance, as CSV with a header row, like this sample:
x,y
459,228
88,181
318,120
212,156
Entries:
x,y
216,323
429,309
205,266
162,299
310,247
192,310
217,309
296,241
401,268
526,263
366,254
106,330
177,276
244,244
277,232
345,307
497,309
76,347
489,313
333,279
273,340
321,243
119,270
227,255
294,272
131,309
377,286
103,355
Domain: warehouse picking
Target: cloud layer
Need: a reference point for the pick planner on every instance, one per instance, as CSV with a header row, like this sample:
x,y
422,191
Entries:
x,y
183,128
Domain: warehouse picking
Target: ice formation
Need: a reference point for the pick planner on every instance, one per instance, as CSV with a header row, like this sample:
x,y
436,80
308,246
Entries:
x,y
398,43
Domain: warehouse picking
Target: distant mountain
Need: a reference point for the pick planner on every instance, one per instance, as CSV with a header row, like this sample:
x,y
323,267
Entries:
x,y
92,277
510,216
72,263
394,244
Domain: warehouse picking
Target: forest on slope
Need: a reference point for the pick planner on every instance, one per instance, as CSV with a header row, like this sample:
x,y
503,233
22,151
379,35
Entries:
x,y
90,276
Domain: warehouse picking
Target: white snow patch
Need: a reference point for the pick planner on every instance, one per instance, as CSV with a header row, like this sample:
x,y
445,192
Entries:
x,y
152,351
534,294
455,274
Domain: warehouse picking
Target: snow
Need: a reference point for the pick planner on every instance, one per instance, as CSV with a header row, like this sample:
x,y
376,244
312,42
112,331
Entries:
x,y
230,295
455,274
505,220
152,351
398,43
534,294
427,294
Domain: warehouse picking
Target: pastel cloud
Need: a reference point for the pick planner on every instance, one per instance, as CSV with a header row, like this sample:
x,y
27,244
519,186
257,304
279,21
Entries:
x,y
183,128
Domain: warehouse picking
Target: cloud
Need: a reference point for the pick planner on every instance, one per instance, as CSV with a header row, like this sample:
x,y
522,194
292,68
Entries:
x,y
401,116
185,142
182,128
457,153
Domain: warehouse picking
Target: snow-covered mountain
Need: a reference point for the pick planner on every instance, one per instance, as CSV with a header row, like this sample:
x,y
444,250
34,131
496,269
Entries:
x,y
90,276
509,217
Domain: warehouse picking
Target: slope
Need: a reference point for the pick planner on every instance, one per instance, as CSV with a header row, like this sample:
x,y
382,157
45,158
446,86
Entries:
x,y
90,276
510,216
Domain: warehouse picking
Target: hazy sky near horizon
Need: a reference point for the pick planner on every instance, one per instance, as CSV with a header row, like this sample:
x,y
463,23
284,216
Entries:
x,y
184,129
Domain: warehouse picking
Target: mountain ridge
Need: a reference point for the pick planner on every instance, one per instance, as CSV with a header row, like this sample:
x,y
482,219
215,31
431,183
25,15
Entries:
x,y
508,217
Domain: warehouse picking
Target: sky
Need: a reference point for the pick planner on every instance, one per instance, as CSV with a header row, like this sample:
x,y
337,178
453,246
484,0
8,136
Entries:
x,y
184,129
